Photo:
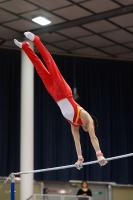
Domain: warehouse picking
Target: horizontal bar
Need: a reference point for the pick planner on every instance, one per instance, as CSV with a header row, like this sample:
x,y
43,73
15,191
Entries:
x,y
70,166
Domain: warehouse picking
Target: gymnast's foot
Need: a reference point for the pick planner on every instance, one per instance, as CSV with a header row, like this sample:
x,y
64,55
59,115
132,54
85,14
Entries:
x,y
19,44
29,35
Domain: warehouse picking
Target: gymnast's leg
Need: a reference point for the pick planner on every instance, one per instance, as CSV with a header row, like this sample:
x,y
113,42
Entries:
x,y
60,84
40,68
44,53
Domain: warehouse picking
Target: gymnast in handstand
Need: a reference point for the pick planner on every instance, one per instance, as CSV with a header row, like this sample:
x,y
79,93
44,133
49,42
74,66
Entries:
x,y
62,94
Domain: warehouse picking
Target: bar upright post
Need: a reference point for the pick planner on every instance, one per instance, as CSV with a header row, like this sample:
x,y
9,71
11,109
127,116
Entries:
x,y
12,187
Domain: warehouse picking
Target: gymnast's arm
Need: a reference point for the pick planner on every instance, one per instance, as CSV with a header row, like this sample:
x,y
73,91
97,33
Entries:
x,y
76,136
95,144
93,138
88,126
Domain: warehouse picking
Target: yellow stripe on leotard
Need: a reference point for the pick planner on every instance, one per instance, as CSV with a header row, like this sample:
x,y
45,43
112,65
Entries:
x,y
79,108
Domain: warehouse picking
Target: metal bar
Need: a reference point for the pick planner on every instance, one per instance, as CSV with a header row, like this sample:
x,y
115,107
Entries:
x,y
70,166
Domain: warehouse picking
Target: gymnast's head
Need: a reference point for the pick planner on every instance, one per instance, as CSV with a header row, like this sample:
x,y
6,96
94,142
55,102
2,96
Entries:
x,y
95,122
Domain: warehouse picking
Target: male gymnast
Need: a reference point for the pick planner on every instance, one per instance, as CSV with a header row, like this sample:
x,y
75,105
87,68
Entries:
x,y
62,94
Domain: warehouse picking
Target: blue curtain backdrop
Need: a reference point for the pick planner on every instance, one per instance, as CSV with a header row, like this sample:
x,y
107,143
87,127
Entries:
x,y
105,90
9,111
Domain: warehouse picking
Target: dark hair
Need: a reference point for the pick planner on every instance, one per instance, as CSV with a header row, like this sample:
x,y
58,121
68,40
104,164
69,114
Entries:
x,y
83,183
95,122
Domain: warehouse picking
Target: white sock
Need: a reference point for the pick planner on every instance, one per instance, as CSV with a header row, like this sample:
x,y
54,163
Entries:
x,y
29,35
19,44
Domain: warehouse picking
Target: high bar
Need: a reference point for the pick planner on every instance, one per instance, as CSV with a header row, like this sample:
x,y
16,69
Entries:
x,y
70,166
